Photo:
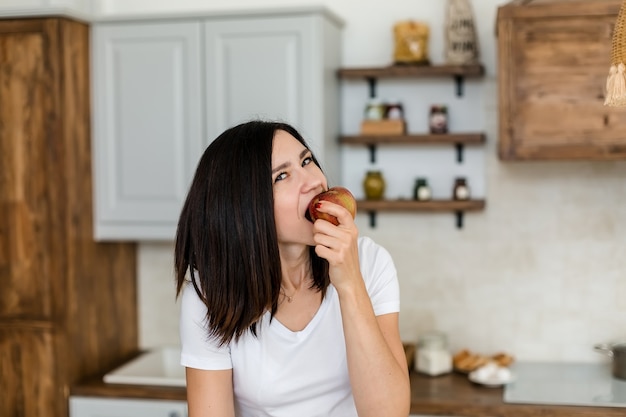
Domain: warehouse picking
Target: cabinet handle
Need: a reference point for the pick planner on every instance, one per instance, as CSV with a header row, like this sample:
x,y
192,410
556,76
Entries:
x,y
174,414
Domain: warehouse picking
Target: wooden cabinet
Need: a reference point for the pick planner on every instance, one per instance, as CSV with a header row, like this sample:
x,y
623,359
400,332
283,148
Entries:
x,y
67,304
457,139
123,407
553,61
165,88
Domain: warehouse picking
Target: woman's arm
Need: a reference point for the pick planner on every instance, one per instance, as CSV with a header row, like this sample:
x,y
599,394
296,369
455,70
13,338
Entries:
x,y
210,393
376,361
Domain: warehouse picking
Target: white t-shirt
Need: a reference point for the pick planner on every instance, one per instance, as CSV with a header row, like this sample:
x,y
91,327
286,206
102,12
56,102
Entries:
x,y
286,373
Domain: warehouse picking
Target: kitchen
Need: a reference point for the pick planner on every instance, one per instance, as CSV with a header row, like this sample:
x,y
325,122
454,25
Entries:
x,y
540,273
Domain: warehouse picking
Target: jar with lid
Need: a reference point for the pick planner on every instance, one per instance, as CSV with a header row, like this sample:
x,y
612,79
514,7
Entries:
x,y
461,190
394,110
374,185
438,120
433,356
374,109
421,191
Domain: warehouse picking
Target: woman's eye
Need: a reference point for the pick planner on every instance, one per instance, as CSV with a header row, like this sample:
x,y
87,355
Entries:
x,y
307,161
280,177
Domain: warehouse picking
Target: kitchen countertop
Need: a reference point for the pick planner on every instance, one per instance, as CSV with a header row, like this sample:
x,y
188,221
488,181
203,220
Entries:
x,y
446,395
455,395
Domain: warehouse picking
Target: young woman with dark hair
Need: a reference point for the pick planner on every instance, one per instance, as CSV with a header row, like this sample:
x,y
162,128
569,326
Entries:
x,y
281,316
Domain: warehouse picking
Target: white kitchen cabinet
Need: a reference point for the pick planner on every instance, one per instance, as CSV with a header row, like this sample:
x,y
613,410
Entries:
x,y
164,88
121,407
147,125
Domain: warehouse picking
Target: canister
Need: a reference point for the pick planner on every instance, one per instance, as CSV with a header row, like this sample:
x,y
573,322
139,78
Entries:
x,y
433,356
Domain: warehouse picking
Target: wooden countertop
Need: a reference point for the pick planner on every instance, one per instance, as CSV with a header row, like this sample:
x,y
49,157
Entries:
x,y
455,395
447,395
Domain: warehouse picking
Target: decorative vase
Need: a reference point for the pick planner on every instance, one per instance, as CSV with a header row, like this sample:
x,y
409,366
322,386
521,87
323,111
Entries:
x,y
461,41
374,185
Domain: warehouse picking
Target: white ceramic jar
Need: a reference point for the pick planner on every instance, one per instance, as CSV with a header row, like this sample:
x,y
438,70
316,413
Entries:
x,y
433,355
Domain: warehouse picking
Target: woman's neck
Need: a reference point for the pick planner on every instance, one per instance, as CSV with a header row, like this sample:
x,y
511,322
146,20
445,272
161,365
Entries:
x,y
296,269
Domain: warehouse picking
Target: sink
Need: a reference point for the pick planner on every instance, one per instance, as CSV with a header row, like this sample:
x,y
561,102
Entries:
x,y
159,366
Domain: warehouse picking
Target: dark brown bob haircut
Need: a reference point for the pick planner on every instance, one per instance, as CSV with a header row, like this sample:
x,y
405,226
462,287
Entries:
x,y
226,236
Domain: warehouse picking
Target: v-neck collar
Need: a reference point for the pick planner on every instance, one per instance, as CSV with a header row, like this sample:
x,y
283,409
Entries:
x,y
280,329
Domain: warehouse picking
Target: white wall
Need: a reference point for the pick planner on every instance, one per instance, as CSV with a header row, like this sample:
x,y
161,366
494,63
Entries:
x,y
541,273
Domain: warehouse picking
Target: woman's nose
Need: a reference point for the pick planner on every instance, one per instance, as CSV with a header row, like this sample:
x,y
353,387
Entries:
x,y
313,181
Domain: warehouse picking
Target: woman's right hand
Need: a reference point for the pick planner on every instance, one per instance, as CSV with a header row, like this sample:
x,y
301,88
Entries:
x,y
338,245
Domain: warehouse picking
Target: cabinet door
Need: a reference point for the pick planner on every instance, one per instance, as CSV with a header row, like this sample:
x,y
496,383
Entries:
x,y
552,76
277,68
259,68
117,407
147,125
28,179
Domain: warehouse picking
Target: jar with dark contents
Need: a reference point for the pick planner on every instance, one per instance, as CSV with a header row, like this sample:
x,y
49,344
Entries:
x,y
421,191
394,110
438,120
461,190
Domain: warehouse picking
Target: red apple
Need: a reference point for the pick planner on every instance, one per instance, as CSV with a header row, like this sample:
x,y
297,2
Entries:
x,y
337,195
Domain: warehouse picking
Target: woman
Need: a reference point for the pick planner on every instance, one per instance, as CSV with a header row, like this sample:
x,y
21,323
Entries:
x,y
283,317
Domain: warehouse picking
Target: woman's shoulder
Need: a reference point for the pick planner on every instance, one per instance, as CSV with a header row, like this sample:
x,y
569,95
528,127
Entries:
x,y
372,255
379,275
368,246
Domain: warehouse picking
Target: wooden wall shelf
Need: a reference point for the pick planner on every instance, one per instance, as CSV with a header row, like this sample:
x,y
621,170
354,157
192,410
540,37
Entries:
x,y
459,207
458,72
411,71
457,139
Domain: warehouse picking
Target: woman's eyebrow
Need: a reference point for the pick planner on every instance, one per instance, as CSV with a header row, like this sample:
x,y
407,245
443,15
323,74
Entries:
x,y
281,166
287,164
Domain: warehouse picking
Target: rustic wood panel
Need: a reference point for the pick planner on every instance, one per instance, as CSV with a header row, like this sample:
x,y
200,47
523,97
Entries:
x,y
24,88
27,371
82,293
552,76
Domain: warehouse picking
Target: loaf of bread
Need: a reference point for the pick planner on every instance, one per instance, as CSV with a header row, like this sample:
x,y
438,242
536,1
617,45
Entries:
x,y
466,361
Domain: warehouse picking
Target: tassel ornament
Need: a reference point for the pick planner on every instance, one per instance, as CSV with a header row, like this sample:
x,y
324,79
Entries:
x,y
616,80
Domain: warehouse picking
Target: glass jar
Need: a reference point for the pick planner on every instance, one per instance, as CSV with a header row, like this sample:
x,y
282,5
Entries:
x,y
433,356
421,192
374,109
461,190
374,185
394,110
438,120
